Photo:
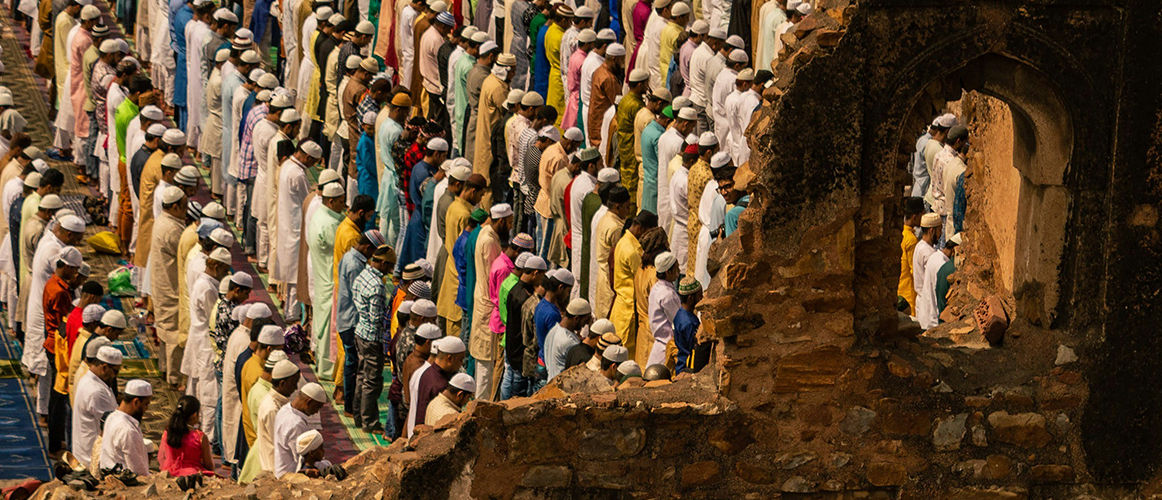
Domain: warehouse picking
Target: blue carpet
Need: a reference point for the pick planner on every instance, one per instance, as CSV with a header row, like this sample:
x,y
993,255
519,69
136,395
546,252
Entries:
x,y
21,441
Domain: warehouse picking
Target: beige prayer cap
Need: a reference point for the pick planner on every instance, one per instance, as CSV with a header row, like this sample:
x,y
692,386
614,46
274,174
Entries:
x,y
479,37
51,202
222,55
532,99
638,75
289,115
662,94
263,96
315,392
172,194
679,9
268,81
314,151
587,36
353,61
333,190
220,255
309,441
930,220
514,96
578,307
746,75
90,12
506,59
250,57
664,261
369,64
700,27
365,28
328,175
32,180
615,50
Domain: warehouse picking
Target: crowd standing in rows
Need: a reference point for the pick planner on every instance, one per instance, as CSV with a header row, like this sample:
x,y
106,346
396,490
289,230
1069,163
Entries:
x,y
471,199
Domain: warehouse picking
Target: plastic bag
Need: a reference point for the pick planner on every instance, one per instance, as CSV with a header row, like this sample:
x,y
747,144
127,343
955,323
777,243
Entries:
x,y
121,282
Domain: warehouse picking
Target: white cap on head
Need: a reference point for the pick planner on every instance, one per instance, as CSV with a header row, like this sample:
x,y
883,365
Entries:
x,y
222,55
719,160
717,33
115,319
91,313
174,137
479,37
488,46
405,307
258,310
587,35
664,261
32,180
314,151
746,75
288,116
500,211
429,331
947,120
365,28
214,210
250,57
735,41
708,139
574,134
172,194
369,65
274,358
156,130
268,81
220,255
616,353
281,100
70,256
242,279
615,50
51,202
109,355
187,176
308,441
271,335
369,117
530,99
564,276
95,344
152,112
90,12
110,46
450,345
424,308
239,313
629,367
333,190
315,392
324,13
353,61
607,35
602,326
700,27
438,144
463,382
255,74
549,132
6,99
687,113
171,160
584,11
805,8
222,236
638,75
138,388
283,369
608,174
578,307
536,263
739,56
679,9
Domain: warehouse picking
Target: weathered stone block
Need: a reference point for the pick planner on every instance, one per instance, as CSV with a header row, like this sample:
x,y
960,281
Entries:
x,y
886,474
700,474
1022,429
547,476
1051,473
611,444
730,440
949,432
754,474
857,421
997,467
810,371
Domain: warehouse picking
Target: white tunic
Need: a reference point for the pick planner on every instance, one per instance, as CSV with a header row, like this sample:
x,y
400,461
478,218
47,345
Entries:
x,y
582,185
740,106
669,145
680,207
723,86
649,56
436,240
231,400
92,399
405,43
196,31
198,359
699,62
594,265
927,313
289,423
265,417
770,17
292,190
264,131
123,444
414,397
712,213
593,60
34,358
919,260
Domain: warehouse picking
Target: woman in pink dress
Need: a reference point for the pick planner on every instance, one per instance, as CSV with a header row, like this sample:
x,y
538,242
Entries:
x,y
184,448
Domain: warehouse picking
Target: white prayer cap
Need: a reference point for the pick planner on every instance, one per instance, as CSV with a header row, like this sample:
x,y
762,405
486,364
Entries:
x,y
793,5
109,355
460,173
353,61
717,33
930,220
32,180
333,190
125,50
438,6
95,344
365,28
214,210
691,139
514,97
152,112
242,279
369,117
308,441
172,194
328,175
174,137
574,134
138,388
281,100
708,139
258,310
6,99
250,57
608,174
110,46
51,202
602,326
616,353
947,120
315,392
447,165
90,12
719,160
532,99
522,260
664,261
739,56
487,47
746,75
578,307
271,335
223,287
700,27
85,270
954,240
629,368
586,36
564,276
615,50
115,319
480,37
283,369
660,4
549,132
735,41
450,345
369,65
324,13
805,8
424,308
463,382
288,116
171,160
679,9
583,11
429,331
468,32
187,176
314,151
224,14
221,255
500,211
687,113
638,75
222,55
405,307
273,359
92,313
682,102
535,263
607,35
222,236
438,144
268,81
72,223
506,60
240,311
155,130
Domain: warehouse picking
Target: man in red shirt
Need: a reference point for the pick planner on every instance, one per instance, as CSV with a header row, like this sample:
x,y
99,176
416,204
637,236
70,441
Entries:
x,y
91,293
58,303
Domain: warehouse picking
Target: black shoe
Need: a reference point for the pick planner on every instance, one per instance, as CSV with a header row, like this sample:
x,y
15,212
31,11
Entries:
x,y
374,429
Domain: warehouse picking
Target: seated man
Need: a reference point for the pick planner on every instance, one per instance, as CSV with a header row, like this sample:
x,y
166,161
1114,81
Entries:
x,y
449,402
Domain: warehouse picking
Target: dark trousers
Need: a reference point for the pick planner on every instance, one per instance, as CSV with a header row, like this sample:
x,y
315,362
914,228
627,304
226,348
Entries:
x,y
369,381
250,232
92,163
58,415
350,369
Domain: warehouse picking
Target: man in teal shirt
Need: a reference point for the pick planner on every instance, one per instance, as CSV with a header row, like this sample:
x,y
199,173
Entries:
x,y
388,205
649,141
459,81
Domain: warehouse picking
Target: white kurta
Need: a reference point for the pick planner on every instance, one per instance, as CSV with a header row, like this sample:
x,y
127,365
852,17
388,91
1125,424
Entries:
x,y
594,262
34,358
650,54
436,240
699,62
582,185
123,444
237,101
593,60
92,399
264,131
289,423
669,145
712,213
740,106
771,15
113,99
927,313
679,206
292,190
919,260
723,86
198,359
231,400
405,44
195,39
264,421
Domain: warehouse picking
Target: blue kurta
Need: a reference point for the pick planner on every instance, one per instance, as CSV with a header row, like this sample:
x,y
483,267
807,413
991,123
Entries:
x,y
460,260
541,71
177,43
650,136
685,338
415,240
365,161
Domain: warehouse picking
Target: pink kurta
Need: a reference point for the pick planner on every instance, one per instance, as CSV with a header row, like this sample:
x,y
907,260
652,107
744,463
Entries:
x,y
641,14
501,268
574,79
81,43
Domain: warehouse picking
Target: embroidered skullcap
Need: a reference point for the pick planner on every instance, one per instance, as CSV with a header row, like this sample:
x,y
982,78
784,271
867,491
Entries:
x,y
735,41
172,194
689,286
220,255
365,28
587,36
607,339
700,27
429,331
930,220
333,190
50,202
607,35
438,144
679,9
506,60
450,345
602,326
187,176
588,154
271,335
501,211
564,276
523,240
95,344
370,65
629,368
421,289
222,237
71,223
739,56
92,313
314,151
687,114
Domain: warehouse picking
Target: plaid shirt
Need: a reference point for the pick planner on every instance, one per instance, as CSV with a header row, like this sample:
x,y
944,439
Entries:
x,y
369,295
366,105
247,163
224,325
411,157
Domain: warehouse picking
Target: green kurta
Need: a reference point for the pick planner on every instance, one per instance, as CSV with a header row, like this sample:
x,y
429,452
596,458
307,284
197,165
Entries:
x,y
627,110
126,112
321,243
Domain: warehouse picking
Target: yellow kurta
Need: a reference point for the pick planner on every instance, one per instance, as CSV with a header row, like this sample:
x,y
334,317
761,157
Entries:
x,y
627,260
251,372
493,92
696,183
455,222
163,273
907,287
640,347
187,242
312,107
556,97
669,44
606,236
483,344
150,177
345,238
75,362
